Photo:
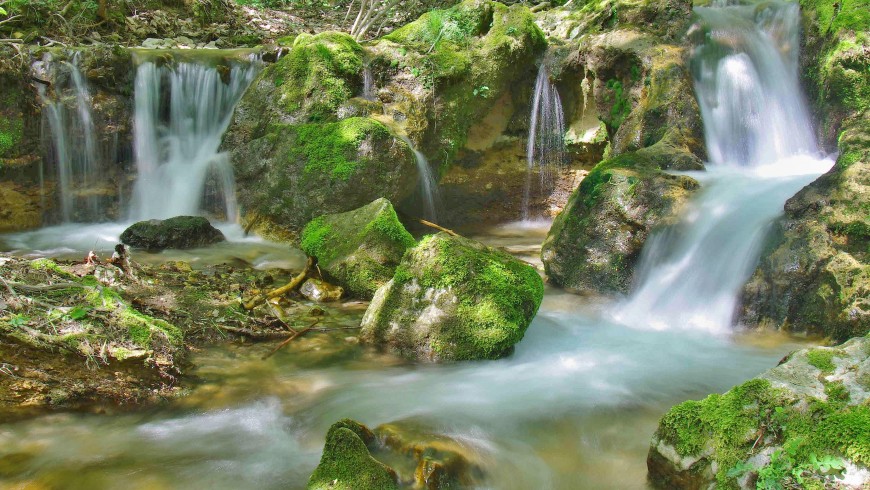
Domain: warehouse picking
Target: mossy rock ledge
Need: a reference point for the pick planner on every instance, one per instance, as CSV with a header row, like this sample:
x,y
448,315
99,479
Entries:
x,y
802,424
359,249
180,232
453,299
346,463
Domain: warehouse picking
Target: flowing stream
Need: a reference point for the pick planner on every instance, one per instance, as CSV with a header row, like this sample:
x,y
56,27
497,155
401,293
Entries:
x,y
573,408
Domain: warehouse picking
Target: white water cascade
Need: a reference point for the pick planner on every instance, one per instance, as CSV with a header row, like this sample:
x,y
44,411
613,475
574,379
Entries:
x,y
762,151
73,148
427,185
181,113
546,146
368,84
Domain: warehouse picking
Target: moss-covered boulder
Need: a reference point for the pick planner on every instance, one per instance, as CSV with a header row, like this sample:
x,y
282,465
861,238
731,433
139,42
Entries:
x,y
802,424
359,249
814,274
454,299
461,60
596,241
346,463
180,232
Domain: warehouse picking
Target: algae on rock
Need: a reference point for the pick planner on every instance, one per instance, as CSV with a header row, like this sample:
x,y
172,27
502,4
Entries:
x,y
776,428
358,249
453,299
346,463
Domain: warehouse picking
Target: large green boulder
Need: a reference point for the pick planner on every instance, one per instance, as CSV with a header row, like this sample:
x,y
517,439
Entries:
x,y
297,172
799,425
814,274
359,249
596,241
346,463
454,299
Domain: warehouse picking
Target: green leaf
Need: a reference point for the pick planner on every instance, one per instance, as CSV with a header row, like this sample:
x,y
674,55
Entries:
x,y
78,313
3,11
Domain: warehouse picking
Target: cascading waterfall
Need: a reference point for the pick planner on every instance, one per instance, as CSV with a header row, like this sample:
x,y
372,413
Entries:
x,y
546,146
73,148
181,113
762,151
428,186
368,83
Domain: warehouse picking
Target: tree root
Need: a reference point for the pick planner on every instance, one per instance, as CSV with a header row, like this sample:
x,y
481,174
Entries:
x,y
290,286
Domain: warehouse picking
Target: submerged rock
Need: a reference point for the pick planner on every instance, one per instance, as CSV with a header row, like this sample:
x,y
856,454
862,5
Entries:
x,y
359,249
452,298
179,232
422,459
346,463
322,291
804,423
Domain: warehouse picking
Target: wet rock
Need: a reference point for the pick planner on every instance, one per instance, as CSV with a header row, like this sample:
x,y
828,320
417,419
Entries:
x,y
346,463
180,232
814,273
359,249
321,291
801,424
452,298
596,241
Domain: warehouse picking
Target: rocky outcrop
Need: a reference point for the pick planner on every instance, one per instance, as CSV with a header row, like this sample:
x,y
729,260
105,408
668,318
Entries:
x,y
180,232
803,423
641,89
814,274
452,299
296,155
424,459
359,249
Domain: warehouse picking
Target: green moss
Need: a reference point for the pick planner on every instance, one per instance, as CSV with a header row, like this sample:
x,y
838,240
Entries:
x,y
499,294
346,464
333,148
11,133
318,74
822,359
358,249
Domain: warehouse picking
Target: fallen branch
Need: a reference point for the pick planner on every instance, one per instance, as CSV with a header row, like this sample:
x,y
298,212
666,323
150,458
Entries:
x,y
290,286
291,338
253,333
27,288
9,288
438,227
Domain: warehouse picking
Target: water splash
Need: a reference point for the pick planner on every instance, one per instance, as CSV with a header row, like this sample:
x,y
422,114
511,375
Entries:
x,y
762,151
177,152
73,149
546,146
428,186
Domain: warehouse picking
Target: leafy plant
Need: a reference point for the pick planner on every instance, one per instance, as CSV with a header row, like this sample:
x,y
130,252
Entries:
x,y
482,91
78,313
19,321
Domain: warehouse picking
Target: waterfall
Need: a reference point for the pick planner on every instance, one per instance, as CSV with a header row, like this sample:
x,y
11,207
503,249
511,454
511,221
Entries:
x,y
181,112
368,83
73,148
546,145
428,186
762,151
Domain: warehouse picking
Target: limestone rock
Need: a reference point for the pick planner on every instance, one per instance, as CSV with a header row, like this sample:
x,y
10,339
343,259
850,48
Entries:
x,y
180,232
454,299
359,249
806,419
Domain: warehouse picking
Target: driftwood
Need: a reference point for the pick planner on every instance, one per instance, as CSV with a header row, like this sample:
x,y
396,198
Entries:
x,y
438,227
293,336
290,286
27,288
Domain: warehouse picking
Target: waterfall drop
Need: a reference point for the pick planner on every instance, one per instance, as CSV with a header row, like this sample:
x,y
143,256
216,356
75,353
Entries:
x,y
181,112
428,186
546,146
71,140
762,151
